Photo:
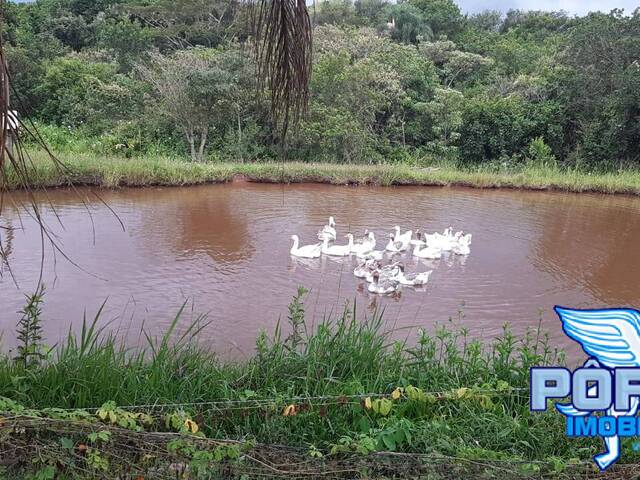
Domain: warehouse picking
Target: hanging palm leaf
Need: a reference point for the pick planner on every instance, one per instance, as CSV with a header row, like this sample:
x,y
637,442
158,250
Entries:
x,y
282,30
16,166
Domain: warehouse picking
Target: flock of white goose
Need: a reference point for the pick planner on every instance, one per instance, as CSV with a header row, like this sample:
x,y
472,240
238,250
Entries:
x,y
385,279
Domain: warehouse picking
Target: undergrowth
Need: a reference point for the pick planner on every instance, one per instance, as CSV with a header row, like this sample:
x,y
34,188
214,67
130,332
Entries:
x,y
341,396
113,172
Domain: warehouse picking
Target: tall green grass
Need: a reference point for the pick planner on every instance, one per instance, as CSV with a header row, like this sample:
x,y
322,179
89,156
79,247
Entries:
x,y
110,172
475,401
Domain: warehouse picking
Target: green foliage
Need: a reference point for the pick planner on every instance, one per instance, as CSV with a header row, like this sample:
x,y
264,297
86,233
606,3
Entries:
x,y
455,66
126,40
86,92
540,155
199,90
442,393
336,12
29,332
408,23
601,88
187,23
446,112
503,128
442,16
104,69
368,96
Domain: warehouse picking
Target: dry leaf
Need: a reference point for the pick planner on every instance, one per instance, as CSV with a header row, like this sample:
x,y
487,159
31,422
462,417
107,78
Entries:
x,y
290,411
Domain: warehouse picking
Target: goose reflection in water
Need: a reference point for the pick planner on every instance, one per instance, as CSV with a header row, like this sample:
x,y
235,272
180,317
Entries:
x,y
227,247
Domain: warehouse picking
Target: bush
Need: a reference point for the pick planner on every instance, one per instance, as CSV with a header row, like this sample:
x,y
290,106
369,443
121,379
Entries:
x,y
504,127
78,90
539,154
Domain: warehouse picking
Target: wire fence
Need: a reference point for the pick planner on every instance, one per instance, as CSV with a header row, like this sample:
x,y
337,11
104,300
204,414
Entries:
x,y
143,454
284,400
127,449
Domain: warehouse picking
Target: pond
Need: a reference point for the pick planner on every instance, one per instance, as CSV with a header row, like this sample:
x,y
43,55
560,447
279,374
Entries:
x,y
224,250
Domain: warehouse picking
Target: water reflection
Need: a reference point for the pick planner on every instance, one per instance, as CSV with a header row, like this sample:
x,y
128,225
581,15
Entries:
x,y
591,244
226,248
195,224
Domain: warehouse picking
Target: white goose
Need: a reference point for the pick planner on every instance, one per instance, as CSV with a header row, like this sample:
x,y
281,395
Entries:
x,y
328,231
404,237
461,247
337,250
373,254
383,285
366,268
396,246
431,252
367,244
418,240
444,241
306,251
415,279
387,272
363,238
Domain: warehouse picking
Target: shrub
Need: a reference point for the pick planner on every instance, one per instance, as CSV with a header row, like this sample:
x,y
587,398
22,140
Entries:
x,y
504,127
539,154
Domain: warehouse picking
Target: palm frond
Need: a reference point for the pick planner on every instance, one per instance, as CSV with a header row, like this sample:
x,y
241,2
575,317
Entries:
x,y
283,35
16,166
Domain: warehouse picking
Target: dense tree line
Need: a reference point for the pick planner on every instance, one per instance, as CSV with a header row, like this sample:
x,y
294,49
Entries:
x,y
414,81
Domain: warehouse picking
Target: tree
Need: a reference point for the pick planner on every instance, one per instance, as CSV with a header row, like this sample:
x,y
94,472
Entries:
x,y
537,24
502,128
446,112
405,23
601,88
442,16
186,23
368,93
455,65
84,91
335,12
487,20
370,11
127,40
196,89
282,41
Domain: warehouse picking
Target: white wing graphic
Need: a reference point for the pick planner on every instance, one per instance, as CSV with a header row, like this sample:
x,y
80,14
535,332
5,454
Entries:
x,y
612,336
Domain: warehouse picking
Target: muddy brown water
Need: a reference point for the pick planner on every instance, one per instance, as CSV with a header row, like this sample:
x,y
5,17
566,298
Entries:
x,y
225,250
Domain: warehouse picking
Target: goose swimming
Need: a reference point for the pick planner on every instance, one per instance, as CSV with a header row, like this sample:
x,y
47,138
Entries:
x,y
337,250
383,285
328,231
363,238
414,279
404,237
461,247
306,251
431,252
396,245
366,268
417,239
373,254
388,271
366,245
444,241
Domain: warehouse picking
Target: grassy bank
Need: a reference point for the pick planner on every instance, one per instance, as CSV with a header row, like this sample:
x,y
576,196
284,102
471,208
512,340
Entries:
x,y
120,172
339,400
